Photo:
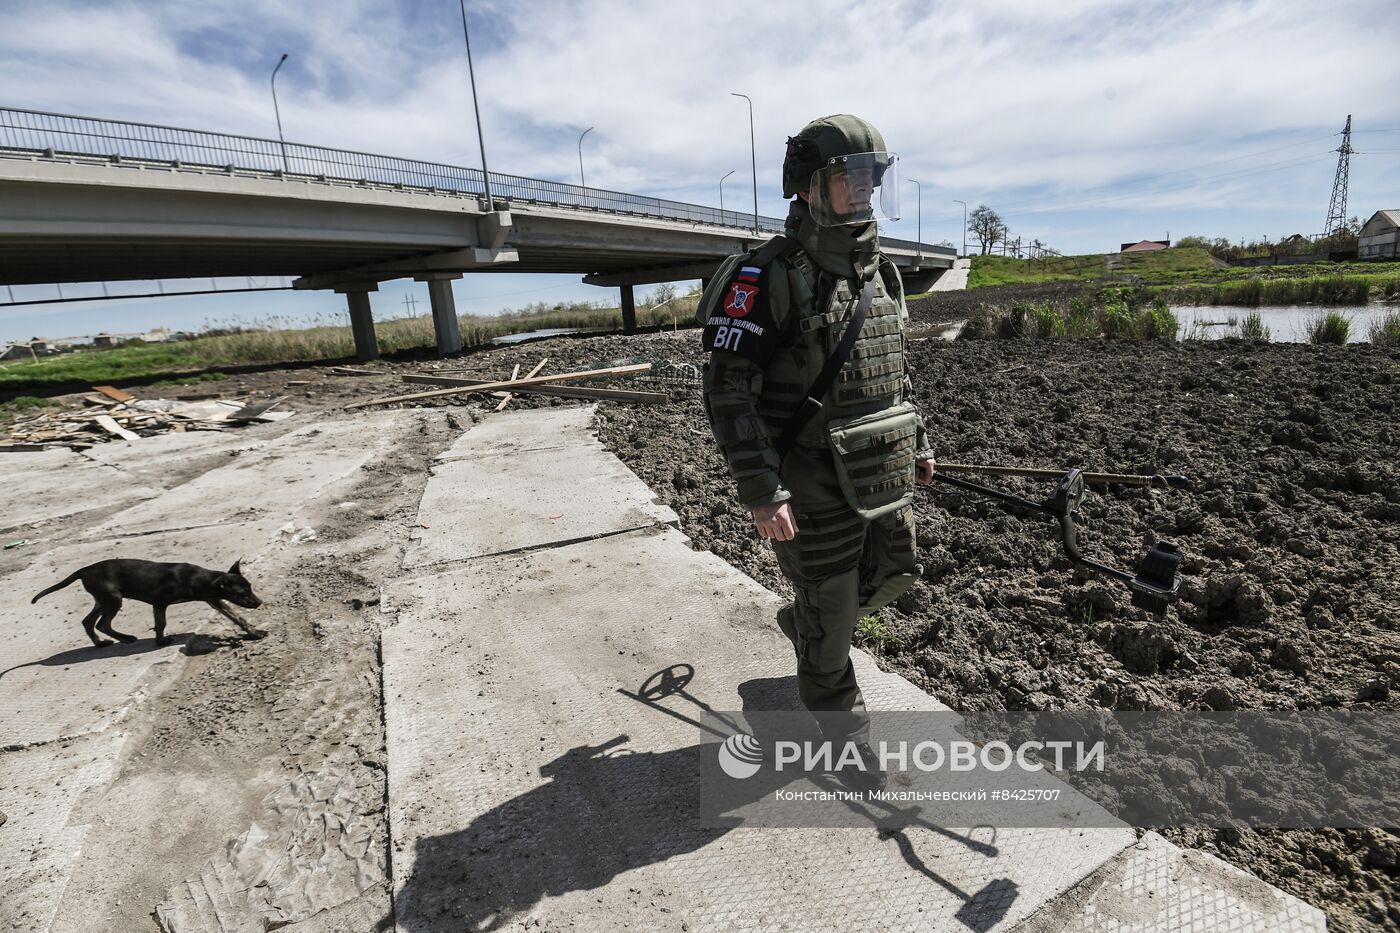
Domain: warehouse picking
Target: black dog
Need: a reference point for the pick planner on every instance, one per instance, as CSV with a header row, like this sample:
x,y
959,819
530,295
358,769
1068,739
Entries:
x,y
161,585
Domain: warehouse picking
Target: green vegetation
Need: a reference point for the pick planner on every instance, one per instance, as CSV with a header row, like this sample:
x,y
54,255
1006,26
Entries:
x,y
1190,275
1127,313
1331,327
274,340
1254,328
873,634
1385,332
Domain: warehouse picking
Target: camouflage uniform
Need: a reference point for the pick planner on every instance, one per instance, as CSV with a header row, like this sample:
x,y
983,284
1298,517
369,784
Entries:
x,y
768,337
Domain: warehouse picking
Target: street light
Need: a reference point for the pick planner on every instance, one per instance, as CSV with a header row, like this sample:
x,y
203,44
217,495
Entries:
x,y
278,111
753,155
920,236
480,137
721,192
582,183
964,204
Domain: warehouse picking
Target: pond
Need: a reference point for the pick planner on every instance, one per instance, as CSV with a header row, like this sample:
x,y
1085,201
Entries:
x,y
1286,324
532,334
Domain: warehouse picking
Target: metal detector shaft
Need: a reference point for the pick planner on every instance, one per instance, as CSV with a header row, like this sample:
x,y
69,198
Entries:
x,y
1101,479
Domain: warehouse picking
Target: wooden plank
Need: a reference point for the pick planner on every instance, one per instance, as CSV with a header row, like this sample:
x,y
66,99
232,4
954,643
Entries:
x,y
619,395
505,399
114,393
351,371
519,383
111,427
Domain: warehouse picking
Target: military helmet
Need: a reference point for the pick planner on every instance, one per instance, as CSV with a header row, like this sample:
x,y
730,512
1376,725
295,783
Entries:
x,y
831,146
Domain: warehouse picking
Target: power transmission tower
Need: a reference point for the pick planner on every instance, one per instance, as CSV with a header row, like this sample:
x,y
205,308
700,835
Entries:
x,y
1337,209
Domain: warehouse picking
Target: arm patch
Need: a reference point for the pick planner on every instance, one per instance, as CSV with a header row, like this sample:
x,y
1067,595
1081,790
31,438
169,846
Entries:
x,y
741,321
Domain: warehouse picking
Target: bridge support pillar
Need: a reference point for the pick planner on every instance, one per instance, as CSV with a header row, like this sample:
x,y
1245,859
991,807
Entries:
x,y
445,326
361,317
629,310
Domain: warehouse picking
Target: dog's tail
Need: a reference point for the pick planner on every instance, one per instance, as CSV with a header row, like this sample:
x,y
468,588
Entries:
x,y
57,586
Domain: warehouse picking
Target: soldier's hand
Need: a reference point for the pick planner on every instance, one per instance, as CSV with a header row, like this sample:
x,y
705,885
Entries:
x,y
923,471
775,521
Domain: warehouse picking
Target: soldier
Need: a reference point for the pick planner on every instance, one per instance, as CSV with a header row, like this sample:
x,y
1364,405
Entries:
x,y
809,398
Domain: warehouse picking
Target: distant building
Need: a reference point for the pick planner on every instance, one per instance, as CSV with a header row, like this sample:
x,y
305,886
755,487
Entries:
x,y
1143,246
26,349
104,341
1380,237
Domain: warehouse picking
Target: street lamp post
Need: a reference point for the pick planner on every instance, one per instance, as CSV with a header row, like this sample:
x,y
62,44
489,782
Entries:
x,y
582,183
480,136
721,192
964,204
277,110
753,156
920,236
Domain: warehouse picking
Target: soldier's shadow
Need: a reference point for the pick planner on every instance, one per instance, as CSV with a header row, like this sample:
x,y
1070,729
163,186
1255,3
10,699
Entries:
x,y
603,811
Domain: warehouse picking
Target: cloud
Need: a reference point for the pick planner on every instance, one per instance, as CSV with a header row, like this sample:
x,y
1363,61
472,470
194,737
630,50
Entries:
x,y
1061,113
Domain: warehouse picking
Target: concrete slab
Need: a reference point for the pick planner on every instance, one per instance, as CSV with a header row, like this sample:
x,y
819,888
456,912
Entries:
x,y
524,783
1155,887
520,493
54,483
151,459
518,431
40,792
267,481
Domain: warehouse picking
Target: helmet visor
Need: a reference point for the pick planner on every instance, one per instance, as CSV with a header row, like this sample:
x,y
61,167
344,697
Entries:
x,y
855,189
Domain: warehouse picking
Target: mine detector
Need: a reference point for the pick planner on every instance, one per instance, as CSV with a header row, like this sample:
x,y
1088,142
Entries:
x,y
1157,579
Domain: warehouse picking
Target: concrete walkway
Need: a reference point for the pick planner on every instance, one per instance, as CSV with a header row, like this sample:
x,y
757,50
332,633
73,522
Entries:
x,y
529,789
62,701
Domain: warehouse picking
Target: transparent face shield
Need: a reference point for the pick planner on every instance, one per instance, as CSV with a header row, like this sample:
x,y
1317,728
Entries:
x,y
855,189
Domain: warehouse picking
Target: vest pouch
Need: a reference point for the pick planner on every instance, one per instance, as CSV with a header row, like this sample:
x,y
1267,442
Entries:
x,y
874,457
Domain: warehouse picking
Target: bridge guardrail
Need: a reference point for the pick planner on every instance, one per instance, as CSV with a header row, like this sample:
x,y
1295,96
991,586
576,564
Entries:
x,y
35,132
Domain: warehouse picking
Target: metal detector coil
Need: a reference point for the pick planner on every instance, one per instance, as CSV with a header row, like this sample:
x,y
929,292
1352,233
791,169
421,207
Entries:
x,y
1157,579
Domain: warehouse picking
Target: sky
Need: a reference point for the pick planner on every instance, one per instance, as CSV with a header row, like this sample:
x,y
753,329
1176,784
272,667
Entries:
x,y
1085,124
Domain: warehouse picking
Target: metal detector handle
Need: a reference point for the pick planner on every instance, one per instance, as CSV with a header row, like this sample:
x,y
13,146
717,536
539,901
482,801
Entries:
x,y
1097,479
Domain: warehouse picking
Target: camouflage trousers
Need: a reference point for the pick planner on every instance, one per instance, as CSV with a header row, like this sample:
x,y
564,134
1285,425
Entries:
x,y
841,567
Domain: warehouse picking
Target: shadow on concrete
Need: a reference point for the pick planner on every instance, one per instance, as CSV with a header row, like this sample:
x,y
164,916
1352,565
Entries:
x,y
189,643
604,810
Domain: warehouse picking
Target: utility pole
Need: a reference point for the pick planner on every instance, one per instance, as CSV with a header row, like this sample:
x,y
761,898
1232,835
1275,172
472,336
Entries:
x,y
480,137
964,204
753,155
1337,208
277,110
410,303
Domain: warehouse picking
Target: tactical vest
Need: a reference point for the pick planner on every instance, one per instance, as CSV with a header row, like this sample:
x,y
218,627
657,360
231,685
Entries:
x,y
874,458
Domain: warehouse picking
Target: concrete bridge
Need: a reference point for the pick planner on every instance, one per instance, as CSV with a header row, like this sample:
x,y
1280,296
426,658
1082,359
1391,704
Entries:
x,y
87,200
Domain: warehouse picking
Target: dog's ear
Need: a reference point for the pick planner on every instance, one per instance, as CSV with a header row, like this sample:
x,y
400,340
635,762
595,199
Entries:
x,y
234,569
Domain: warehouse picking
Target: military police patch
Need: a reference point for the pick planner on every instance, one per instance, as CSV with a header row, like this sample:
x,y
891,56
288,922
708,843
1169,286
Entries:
x,y
742,321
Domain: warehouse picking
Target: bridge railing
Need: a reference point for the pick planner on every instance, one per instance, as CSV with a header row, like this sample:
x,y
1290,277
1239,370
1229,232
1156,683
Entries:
x,y
54,135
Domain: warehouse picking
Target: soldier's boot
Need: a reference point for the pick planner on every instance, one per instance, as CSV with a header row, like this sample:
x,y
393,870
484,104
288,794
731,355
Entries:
x,y
866,776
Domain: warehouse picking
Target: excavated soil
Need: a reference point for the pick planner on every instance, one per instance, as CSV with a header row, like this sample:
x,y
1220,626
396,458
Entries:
x,y
1291,536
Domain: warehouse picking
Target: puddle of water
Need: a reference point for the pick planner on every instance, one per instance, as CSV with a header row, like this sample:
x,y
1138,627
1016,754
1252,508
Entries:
x,y
1287,324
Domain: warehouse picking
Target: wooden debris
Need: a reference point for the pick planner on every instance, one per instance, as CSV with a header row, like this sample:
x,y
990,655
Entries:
x,y
114,393
109,425
517,384
505,399
351,371
618,395
196,396
251,412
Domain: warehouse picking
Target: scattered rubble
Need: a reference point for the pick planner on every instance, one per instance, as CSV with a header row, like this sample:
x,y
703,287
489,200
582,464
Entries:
x,y
112,413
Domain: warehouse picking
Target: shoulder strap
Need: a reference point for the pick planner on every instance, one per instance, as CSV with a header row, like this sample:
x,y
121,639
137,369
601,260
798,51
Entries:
x,y
775,247
838,358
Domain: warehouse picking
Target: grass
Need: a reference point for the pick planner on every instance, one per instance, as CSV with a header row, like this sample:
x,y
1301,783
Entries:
x,y
1385,331
1158,264
1131,314
1254,328
1331,327
275,340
